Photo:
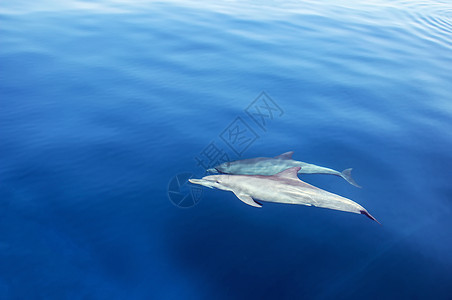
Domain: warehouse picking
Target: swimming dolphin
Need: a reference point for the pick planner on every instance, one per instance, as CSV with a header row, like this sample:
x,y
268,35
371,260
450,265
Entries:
x,y
273,165
283,187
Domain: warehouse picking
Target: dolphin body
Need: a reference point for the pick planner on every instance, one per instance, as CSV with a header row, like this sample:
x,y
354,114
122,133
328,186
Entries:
x,y
273,165
283,187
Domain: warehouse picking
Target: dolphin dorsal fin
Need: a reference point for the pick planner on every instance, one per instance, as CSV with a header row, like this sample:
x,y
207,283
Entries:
x,y
287,155
289,173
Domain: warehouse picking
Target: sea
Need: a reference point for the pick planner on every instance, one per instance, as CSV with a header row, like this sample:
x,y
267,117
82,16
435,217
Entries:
x,y
107,108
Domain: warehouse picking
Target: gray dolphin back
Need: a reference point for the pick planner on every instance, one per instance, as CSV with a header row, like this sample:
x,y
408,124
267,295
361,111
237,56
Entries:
x,y
273,165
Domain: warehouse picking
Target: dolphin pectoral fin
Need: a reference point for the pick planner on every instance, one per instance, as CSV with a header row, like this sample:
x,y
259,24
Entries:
x,y
247,199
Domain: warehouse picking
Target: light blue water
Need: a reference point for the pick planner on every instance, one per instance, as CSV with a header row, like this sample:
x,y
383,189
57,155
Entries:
x,y
103,103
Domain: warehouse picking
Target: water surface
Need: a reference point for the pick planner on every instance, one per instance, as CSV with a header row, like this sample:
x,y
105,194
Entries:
x,y
102,103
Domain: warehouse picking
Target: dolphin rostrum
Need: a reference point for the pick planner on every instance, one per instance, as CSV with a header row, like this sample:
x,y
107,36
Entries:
x,y
273,165
283,187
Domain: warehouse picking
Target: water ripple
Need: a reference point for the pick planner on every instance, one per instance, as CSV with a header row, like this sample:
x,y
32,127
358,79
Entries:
x,y
431,21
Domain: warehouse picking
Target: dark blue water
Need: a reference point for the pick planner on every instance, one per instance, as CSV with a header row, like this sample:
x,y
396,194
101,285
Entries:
x,y
103,103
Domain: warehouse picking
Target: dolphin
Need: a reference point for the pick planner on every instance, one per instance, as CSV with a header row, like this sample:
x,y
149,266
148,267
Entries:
x,y
283,187
273,165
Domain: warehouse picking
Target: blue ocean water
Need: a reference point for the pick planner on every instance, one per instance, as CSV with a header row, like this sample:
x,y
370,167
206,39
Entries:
x,y
103,103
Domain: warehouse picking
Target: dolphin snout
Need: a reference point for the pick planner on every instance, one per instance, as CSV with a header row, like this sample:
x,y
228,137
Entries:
x,y
203,182
195,181
212,170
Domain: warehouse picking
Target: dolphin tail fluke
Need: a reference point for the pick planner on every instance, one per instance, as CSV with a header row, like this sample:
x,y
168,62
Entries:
x,y
364,212
347,175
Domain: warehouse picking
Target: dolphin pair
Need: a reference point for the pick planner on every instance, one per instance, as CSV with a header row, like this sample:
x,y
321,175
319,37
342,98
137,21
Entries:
x,y
283,187
273,165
